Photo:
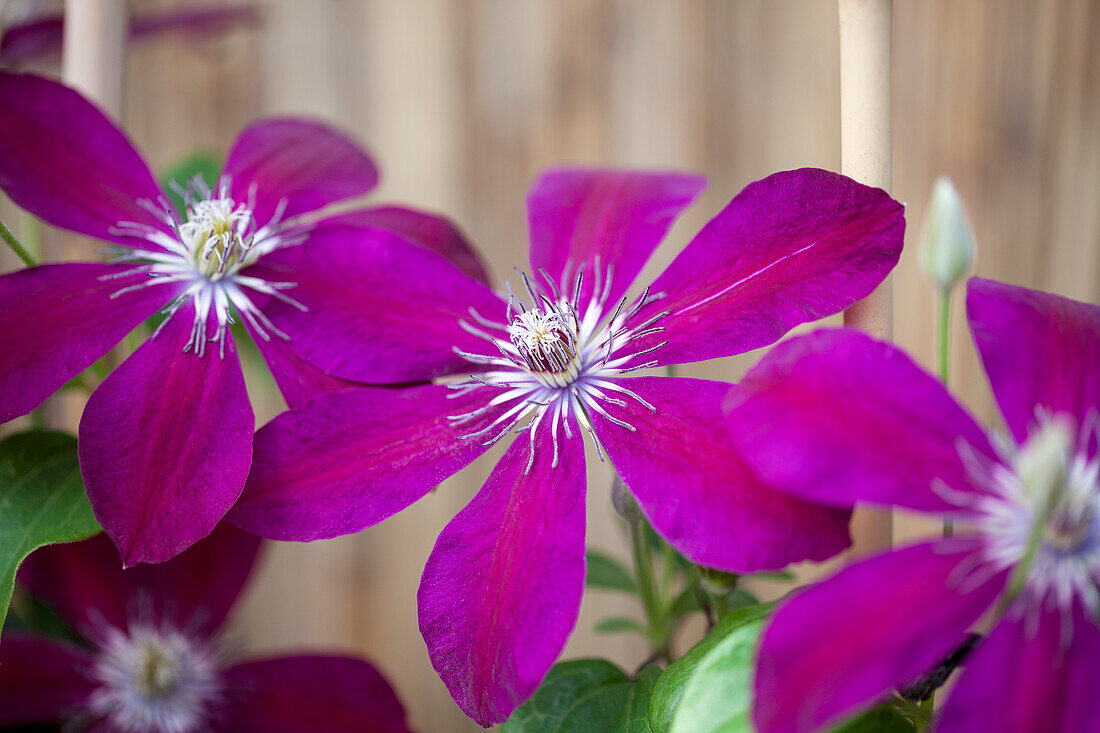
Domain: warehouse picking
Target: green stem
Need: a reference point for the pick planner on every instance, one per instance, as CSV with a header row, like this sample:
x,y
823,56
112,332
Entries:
x,y
945,364
945,333
16,247
643,567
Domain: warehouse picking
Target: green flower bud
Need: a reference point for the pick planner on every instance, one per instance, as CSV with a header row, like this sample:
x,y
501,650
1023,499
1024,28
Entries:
x,y
947,240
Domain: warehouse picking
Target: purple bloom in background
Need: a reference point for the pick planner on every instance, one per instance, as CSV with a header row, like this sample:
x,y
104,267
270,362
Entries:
x,y
838,417
31,30
166,440
150,659
502,588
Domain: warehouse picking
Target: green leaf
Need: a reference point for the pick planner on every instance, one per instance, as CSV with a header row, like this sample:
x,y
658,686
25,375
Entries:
x,y
635,715
670,688
584,695
203,163
718,697
587,696
885,719
42,501
685,603
608,573
618,624
740,598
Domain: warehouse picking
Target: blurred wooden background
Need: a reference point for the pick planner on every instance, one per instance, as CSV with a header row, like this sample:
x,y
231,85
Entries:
x,y
464,102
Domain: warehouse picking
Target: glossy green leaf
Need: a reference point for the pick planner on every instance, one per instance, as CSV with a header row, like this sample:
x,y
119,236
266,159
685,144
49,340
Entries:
x,y
673,683
204,164
618,625
608,573
635,714
42,501
587,696
885,719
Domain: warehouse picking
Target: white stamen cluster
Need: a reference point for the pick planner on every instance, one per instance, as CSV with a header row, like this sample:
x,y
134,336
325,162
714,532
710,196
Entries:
x,y
1042,516
555,358
215,232
153,680
547,341
209,249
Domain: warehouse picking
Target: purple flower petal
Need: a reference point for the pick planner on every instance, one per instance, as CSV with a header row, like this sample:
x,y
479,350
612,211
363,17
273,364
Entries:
x,y
85,582
872,627
1037,348
298,380
57,320
349,460
62,160
41,37
165,444
578,216
502,588
41,679
380,309
200,21
437,233
304,163
697,490
309,693
31,40
794,247
837,417
1029,677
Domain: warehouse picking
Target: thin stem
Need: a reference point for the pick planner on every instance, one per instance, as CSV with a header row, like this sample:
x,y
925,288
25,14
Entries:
x,y
945,334
651,601
15,246
944,341
30,231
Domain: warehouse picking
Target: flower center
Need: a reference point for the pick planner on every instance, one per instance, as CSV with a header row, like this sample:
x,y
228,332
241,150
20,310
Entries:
x,y
1062,488
207,252
154,681
554,356
1042,517
216,234
547,342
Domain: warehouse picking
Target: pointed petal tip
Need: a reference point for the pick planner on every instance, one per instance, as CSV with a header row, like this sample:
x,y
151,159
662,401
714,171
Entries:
x,y
502,589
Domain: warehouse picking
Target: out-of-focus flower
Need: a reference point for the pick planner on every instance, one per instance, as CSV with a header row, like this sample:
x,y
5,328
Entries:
x,y
837,417
502,588
947,240
166,439
150,659
32,30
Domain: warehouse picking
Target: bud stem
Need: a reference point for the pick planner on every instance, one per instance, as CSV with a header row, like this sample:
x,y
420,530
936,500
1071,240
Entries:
x,y
15,246
945,363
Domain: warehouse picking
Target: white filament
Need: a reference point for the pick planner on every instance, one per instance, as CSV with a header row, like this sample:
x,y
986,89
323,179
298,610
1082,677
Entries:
x,y
218,239
554,359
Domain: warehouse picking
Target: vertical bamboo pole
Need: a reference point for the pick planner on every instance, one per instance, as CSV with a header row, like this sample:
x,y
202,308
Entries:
x,y
93,49
92,54
865,141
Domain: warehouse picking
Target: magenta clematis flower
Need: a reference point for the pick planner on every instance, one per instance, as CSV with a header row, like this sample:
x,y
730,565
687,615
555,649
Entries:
x,y
166,439
838,417
150,660
502,588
